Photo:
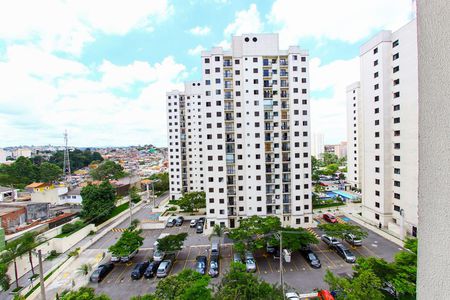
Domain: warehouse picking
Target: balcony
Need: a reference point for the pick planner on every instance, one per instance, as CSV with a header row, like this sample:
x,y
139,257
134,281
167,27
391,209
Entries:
x,y
229,117
266,73
286,198
270,179
227,63
285,137
286,170
268,95
269,169
231,191
229,107
231,182
228,74
270,190
268,139
284,105
229,140
230,159
231,203
268,116
286,157
284,115
231,171
268,147
284,127
228,85
285,148
284,84
283,62
229,128
284,94
286,178
270,158
228,96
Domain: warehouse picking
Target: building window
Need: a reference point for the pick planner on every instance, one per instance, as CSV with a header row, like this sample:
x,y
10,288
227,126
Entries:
x,y
396,195
395,56
397,120
396,69
377,216
397,107
394,43
375,51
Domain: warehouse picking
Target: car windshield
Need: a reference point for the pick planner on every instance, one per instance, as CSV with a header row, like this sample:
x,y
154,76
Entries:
x,y
213,265
157,253
250,261
348,253
200,264
312,256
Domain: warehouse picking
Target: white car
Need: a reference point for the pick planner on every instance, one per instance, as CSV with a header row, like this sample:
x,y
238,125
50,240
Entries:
x,y
292,296
158,255
193,223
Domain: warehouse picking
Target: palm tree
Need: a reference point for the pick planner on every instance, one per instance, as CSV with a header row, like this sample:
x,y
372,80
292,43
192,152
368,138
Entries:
x,y
29,242
13,250
4,278
218,231
135,223
84,269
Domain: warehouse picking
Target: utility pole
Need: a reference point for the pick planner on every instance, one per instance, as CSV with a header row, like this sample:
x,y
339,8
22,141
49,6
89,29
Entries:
x,y
41,275
281,262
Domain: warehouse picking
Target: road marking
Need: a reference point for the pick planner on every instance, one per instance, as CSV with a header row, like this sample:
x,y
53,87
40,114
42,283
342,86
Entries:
x,y
373,253
187,258
118,229
120,275
326,256
271,270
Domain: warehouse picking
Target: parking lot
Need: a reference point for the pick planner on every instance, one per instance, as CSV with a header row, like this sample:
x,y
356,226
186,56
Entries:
x,y
297,274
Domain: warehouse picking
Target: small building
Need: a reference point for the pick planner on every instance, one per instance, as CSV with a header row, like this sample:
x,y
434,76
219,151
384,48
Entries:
x,y
330,186
71,197
46,192
7,194
12,217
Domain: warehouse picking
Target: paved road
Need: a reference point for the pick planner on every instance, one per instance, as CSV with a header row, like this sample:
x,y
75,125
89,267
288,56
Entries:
x,y
297,274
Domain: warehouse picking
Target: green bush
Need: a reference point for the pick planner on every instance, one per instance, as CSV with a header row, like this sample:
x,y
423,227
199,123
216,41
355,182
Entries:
x,y
172,208
72,227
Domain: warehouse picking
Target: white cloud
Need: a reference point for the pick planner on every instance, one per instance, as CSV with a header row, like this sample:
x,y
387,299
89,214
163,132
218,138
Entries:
x,y
197,50
40,99
68,25
198,30
346,20
226,45
328,113
246,21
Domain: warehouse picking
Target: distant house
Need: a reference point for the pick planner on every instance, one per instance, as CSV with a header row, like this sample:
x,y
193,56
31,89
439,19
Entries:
x,y
17,214
7,194
71,197
330,186
46,192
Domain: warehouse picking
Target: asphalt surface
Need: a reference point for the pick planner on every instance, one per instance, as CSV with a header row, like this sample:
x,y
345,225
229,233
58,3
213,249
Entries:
x,y
297,274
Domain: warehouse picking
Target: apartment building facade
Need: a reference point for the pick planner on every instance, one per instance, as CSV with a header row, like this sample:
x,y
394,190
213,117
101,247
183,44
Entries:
x,y
389,120
252,136
354,136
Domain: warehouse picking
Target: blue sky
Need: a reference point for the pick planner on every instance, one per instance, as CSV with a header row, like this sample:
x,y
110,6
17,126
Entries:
x,y
100,69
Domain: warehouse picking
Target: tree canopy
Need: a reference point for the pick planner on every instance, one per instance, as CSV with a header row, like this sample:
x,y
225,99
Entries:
x,y
339,230
129,241
49,172
172,243
254,232
237,284
84,293
163,184
187,285
192,201
98,201
78,158
372,274
108,170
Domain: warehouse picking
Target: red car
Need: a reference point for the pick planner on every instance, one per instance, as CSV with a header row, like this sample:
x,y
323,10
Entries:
x,y
329,218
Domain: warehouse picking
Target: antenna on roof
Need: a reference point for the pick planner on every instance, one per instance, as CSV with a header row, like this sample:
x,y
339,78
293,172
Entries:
x,y
66,164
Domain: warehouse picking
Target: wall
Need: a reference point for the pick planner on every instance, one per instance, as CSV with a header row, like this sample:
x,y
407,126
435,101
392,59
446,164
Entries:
x,y
434,144
61,245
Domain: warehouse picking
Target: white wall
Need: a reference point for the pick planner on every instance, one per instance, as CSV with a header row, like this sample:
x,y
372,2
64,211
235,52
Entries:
x,y
434,144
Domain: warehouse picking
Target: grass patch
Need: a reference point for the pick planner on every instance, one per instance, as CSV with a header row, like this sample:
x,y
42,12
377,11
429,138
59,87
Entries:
x,y
325,205
117,210
53,255
71,228
17,289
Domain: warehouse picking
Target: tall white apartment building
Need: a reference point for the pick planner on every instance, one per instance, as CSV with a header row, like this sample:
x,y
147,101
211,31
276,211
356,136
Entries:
x,y
354,136
389,118
246,139
318,145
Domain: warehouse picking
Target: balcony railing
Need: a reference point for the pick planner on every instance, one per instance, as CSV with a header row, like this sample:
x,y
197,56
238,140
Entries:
x,y
270,158
231,171
231,191
268,127
229,128
227,63
228,75
286,170
229,118
284,127
270,180
268,116
228,107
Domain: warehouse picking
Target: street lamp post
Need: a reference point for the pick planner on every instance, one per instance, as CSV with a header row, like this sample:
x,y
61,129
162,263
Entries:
x,y
41,273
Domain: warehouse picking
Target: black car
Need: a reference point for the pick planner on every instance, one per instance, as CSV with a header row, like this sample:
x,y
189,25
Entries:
x,y
151,269
199,228
100,273
201,220
214,266
311,258
139,270
179,221
200,265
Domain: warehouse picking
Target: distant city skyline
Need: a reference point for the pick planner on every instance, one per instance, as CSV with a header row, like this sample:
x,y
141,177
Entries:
x,y
103,75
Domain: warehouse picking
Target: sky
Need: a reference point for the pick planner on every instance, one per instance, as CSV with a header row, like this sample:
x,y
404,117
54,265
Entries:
x,y
100,68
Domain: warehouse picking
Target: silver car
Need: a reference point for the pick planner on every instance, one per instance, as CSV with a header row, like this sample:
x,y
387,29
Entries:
x,y
158,255
164,269
329,240
130,256
250,263
353,240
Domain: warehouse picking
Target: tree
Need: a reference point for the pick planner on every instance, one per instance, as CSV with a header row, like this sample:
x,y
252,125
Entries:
x,y
98,201
192,201
217,231
12,251
294,238
253,232
78,159
341,176
339,230
187,285
318,188
144,297
237,284
366,286
29,241
84,293
49,172
134,224
163,184
19,174
134,195
84,269
331,169
329,158
108,170
129,241
172,243
4,278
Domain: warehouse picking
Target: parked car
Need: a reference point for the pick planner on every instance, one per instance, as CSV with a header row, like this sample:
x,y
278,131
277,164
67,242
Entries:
x,y
270,249
329,218
292,296
202,220
237,258
250,263
164,268
115,259
214,266
329,240
200,265
276,253
129,257
215,247
179,221
345,253
199,228
311,258
193,223
171,222
353,240
158,255
100,273
139,269
151,269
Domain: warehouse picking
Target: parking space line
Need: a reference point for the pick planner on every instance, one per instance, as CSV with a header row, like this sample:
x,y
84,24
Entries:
x,y
120,275
326,256
373,253
271,270
184,267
